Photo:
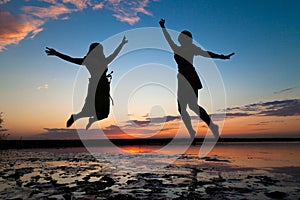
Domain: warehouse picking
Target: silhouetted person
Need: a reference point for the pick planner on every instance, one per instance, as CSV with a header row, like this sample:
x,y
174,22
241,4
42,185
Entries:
x,y
97,102
188,79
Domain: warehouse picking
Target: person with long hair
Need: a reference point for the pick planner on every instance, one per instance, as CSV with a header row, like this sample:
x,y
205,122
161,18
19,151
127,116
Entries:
x,y
97,102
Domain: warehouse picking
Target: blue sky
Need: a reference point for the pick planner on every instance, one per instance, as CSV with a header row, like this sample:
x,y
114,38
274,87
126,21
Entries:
x,y
263,34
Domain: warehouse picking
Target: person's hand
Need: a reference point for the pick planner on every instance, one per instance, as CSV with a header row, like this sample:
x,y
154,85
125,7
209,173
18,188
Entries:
x,y
226,57
124,41
50,51
162,23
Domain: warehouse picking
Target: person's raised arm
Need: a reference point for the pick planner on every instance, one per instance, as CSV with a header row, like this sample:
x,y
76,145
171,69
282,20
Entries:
x,y
111,57
172,44
210,54
53,52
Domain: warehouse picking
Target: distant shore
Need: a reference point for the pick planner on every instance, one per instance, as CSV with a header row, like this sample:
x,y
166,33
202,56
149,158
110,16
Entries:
x,y
26,144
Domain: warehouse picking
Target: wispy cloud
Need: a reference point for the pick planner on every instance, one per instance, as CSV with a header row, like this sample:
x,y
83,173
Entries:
x,y
147,126
51,12
264,123
131,131
79,4
221,116
289,107
284,90
98,6
127,10
45,86
112,131
68,134
142,128
15,28
281,108
163,119
151,120
139,122
56,134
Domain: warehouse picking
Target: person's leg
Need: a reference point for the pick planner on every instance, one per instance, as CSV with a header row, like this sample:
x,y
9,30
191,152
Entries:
x,y
184,92
201,112
88,108
70,121
205,117
91,121
214,129
186,118
74,117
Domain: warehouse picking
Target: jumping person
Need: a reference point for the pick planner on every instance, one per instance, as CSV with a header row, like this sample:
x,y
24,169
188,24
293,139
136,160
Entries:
x,y
188,79
97,102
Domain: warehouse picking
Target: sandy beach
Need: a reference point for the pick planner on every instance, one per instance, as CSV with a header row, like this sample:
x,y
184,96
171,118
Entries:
x,y
230,171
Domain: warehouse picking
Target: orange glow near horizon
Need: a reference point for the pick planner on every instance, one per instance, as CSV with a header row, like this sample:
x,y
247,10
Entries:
x,y
256,126
138,149
261,124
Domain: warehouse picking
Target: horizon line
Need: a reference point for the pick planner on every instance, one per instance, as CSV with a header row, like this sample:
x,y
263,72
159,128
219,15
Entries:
x,y
25,144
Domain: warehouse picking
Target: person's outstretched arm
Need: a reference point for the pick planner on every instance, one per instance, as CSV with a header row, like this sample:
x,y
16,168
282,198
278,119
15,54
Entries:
x,y
209,54
111,57
167,35
53,52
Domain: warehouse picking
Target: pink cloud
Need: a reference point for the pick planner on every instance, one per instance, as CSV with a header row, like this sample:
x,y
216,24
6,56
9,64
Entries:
x,y
17,27
80,4
31,21
28,24
50,1
127,11
45,86
140,8
51,12
98,6
130,20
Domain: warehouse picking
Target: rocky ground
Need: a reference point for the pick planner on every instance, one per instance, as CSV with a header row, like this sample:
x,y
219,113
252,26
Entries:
x,y
46,175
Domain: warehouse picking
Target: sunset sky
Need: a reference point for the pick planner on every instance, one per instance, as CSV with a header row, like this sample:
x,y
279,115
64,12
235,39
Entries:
x,y
261,81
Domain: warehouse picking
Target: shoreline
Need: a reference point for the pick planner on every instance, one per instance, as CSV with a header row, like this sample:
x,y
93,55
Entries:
x,y
31,144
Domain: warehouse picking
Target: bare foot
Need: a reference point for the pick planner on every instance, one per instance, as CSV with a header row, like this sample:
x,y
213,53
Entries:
x,y
91,121
70,121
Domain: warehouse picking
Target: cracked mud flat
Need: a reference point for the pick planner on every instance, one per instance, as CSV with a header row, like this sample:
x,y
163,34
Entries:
x,y
73,174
